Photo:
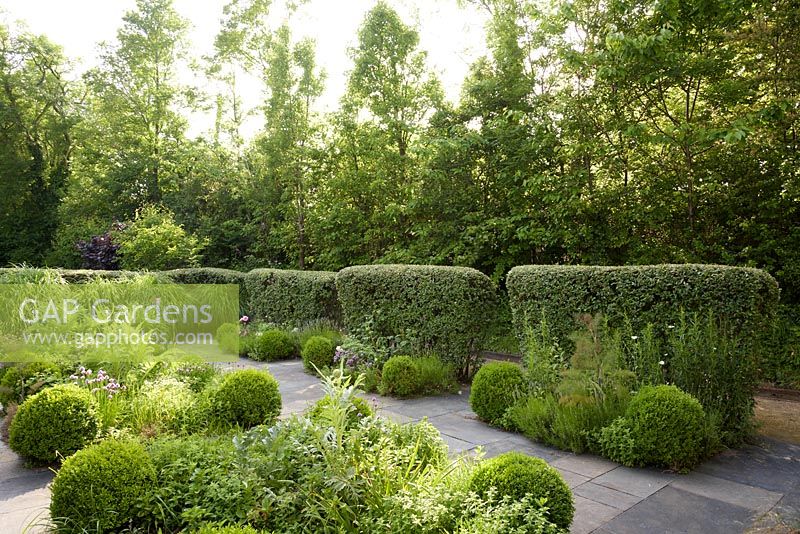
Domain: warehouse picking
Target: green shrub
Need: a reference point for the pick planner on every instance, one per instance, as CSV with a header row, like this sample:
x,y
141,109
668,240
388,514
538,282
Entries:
x,y
358,411
435,376
274,345
197,481
205,275
567,426
157,405
645,294
400,377
153,241
209,529
666,427
292,298
25,379
514,474
490,515
55,422
247,398
227,336
439,309
318,353
101,487
422,440
714,363
496,387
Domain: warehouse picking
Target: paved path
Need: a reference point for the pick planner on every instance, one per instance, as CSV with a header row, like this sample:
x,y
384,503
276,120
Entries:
x,y
756,488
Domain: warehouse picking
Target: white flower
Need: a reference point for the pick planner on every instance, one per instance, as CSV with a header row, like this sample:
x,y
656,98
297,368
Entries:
x,y
634,338
671,326
661,362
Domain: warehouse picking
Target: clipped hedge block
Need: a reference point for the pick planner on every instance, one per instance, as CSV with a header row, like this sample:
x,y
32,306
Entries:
x,y
644,294
439,309
292,298
204,275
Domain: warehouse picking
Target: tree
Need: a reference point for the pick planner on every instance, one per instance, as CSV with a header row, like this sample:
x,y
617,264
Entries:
x,y
362,212
36,144
130,148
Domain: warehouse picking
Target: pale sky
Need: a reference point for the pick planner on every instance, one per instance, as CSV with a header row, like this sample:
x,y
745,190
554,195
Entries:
x,y
453,36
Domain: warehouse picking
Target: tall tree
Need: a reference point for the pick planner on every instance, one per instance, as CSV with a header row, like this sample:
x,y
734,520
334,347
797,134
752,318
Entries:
x,y
131,146
282,158
36,117
391,96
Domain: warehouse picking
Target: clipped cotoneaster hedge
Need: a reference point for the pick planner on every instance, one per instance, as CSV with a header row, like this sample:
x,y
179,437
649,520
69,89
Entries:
x,y
291,297
655,294
438,309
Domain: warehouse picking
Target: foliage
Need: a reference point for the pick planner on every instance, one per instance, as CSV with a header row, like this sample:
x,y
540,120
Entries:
x,y
247,398
292,298
154,241
227,336
435,376
197,481
507,515
35,142
99,252
400,377
544,358
207,529
516,475
157,406
663,426
24,379
360,410
646,294
273,345
571,427
441,309
54,424
780,362
318,353
496,387
715,362
101,487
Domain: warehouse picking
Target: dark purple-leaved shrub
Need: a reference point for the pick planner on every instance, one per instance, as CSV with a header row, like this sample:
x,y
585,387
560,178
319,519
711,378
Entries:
x,y
100,252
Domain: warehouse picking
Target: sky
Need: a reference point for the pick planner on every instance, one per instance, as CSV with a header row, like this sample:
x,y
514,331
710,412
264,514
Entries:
x,y
453,36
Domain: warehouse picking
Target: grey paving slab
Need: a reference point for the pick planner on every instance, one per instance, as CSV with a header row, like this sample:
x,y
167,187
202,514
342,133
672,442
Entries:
x,y
752,498
672,510
392,416
771,465
587,465
429,406
466,429
608,496
457,446
639,482
572,479
589,515
531,449
23,482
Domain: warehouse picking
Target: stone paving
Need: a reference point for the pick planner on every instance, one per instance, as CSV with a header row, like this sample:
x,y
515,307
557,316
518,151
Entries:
x,y
756,487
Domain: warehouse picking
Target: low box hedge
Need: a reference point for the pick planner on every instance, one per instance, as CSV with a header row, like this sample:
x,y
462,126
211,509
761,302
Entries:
x,y
438,309
656,294
292,298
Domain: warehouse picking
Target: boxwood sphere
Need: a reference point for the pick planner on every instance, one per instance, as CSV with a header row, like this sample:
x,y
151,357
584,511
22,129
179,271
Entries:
x,y
515,474
248,398
101,486
495,388
318,352
667,426
274,345
400,377
56,422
